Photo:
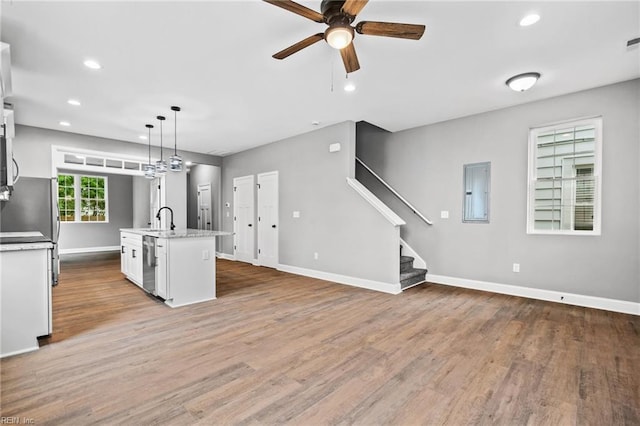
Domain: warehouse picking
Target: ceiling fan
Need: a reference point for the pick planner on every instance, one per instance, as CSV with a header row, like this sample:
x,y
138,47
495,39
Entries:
x,y
339,15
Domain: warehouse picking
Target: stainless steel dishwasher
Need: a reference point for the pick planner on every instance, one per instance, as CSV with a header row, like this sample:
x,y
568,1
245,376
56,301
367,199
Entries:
x,y
149,264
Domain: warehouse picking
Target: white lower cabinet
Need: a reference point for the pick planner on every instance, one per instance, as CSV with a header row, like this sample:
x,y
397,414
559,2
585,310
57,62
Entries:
x,y
162,269
131,257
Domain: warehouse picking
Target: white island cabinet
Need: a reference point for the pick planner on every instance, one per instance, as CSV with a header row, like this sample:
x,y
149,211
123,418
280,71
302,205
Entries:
x,y
178,266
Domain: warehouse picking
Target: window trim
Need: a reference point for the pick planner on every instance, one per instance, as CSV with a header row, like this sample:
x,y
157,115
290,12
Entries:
x,y
596,121
77,185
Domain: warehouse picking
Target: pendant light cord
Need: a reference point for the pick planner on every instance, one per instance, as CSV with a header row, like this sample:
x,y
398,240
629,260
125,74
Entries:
x,y
175,132
149,127
160,140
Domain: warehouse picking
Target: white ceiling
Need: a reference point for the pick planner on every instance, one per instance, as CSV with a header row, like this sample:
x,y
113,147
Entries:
x,y
213,58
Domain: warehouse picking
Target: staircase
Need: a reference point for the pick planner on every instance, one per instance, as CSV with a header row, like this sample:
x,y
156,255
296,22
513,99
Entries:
x,y
410,276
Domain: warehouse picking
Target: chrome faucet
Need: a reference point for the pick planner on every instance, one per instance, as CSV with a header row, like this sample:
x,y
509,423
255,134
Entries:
x,y
168,208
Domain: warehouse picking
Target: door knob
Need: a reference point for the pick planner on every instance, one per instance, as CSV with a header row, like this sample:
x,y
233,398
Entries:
x,y
273,226
251,224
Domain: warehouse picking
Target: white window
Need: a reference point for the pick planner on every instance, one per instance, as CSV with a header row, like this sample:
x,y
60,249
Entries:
x,y
82,198
564,178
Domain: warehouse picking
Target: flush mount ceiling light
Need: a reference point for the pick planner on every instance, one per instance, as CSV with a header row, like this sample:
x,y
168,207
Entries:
x,y
175,161
143,137
529,20
522,82
161,165
73,102
339,36
149,168
94,65
65,123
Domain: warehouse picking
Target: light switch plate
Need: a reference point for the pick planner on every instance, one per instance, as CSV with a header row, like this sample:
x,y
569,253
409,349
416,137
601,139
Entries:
x,y
334,147
296,214
444,214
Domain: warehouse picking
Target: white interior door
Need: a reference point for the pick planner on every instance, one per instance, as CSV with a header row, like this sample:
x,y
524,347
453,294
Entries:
x,y
268,219
205,217
243,216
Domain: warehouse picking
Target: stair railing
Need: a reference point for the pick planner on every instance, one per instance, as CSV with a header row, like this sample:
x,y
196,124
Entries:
x,y
394,192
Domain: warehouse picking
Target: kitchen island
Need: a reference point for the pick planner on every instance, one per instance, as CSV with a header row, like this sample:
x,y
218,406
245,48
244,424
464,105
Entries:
x,y
178,266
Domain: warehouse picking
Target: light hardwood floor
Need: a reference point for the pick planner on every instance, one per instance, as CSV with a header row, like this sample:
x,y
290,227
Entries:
x,y
276,348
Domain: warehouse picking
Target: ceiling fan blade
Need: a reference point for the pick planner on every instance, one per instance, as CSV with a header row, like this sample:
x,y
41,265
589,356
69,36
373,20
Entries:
x,y
349,58
353,7
298,9
299,46
389,29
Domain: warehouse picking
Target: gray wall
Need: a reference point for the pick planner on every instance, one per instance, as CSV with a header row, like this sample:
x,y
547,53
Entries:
x,y
203,174
141,200
89,235
350,236
425,164
32,149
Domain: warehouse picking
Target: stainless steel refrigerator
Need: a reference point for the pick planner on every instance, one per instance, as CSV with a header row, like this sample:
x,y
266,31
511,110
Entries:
x,y
33,207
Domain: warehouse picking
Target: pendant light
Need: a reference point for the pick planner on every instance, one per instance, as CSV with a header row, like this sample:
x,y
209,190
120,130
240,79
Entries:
x,y
149,168
161,165
175,161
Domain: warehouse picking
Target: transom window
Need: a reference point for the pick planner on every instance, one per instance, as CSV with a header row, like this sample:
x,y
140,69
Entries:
x,y
82,198
564,178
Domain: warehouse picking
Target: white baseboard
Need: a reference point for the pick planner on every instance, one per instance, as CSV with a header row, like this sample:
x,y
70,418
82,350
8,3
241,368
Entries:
x,y
343,279
89,250
418,262
614,305
21,351
226,256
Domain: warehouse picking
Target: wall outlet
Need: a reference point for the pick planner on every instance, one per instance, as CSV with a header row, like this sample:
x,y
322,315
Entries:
x,y
444,214
205,254
516,267
315,255
227,214
296,214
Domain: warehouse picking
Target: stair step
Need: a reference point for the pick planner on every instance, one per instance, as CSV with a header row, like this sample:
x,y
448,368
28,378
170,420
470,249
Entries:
x,y
406,263
411,277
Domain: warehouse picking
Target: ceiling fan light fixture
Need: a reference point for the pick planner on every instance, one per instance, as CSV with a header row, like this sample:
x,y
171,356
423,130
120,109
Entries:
x,y
339,36
522,82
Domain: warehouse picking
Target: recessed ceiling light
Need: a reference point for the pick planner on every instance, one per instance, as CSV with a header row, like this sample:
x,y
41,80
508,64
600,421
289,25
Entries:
x,y
73,102
522,82
188,163
65,123
349,87
529,20
315,123
143,137
94,65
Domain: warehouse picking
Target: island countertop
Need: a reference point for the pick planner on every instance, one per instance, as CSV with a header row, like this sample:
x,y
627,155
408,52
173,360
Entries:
x,y
177,233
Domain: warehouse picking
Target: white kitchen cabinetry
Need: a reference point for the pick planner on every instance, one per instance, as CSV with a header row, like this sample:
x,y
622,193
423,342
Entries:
x,y
25,296
131,256
162,270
